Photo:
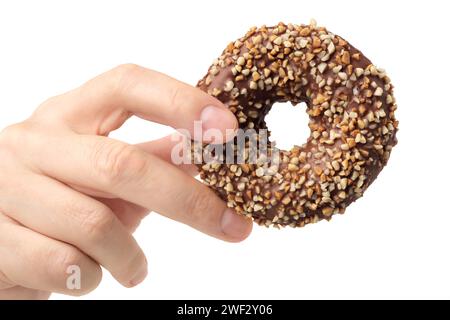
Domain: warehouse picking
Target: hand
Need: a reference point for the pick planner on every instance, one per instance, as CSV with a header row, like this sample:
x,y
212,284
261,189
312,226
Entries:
x,y
71,196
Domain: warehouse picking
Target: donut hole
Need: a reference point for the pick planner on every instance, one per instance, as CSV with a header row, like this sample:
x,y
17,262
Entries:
x,y
288,124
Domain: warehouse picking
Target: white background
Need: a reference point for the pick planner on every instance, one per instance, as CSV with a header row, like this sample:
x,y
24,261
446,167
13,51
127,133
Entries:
x,y
392,243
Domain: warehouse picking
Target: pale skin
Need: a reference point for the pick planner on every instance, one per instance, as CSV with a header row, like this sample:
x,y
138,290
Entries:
x,y
69,195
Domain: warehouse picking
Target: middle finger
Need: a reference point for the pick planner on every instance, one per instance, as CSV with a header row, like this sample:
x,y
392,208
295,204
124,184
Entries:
x,y
129,173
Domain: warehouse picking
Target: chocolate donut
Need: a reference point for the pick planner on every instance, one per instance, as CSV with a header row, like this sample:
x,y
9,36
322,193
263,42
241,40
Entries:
x,y
351,110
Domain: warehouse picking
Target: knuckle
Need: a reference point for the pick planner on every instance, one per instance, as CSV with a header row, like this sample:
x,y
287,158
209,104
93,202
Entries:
x,y
59,259
48,105
116,162
60,262
20,135
175,97
126,68
13,140
124,76
96,224
198,206
13,134
182,97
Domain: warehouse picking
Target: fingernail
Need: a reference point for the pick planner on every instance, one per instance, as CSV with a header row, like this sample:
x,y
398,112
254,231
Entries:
x,y
235,226
140,276
213,117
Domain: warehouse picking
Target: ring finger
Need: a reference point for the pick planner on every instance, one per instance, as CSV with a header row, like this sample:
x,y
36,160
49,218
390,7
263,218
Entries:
x,y
34,261
82,221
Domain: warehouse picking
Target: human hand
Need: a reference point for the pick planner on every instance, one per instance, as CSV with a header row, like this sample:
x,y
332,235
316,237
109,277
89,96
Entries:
x,y
69,195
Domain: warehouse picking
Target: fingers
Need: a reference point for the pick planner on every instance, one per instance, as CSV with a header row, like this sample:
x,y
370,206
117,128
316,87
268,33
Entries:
x,y
64,214
128,213
21,293
163,147
104,103
34,261
129,173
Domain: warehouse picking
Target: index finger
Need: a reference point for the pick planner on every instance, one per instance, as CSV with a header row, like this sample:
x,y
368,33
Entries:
x,y
104,103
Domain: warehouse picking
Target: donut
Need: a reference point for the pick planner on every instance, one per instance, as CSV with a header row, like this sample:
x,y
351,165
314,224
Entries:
x,y
351,107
